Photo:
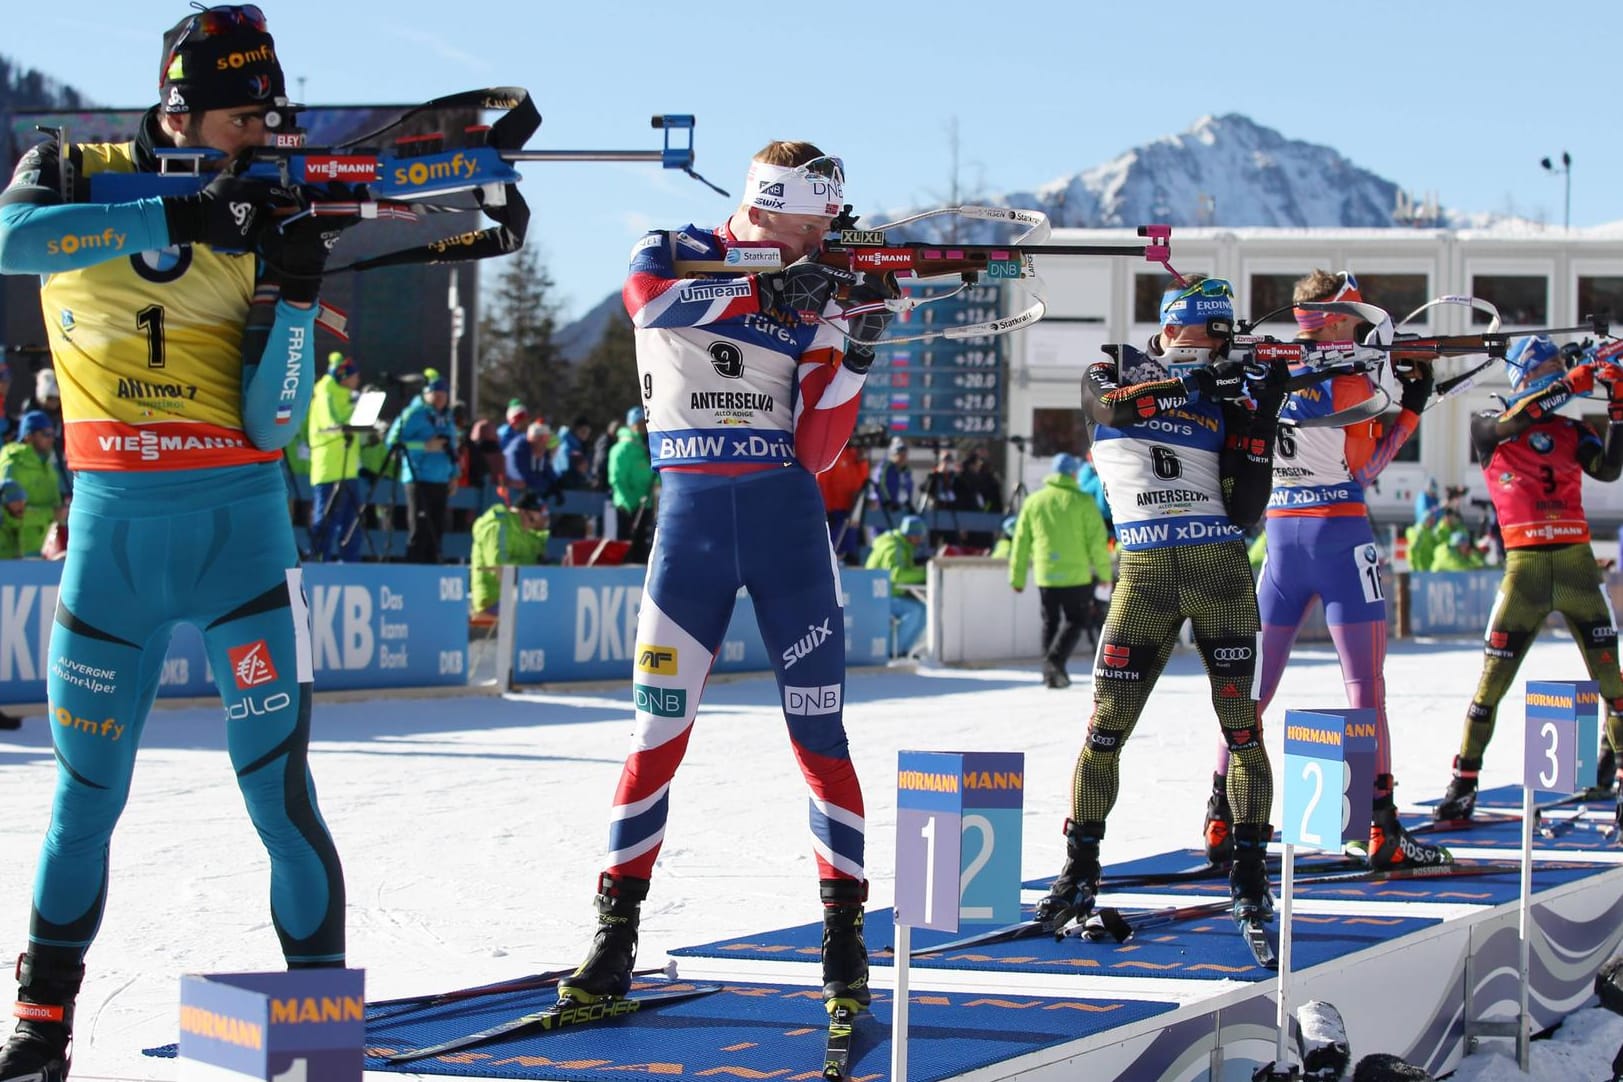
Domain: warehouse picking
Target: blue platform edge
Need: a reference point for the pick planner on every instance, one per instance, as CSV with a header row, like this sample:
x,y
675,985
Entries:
x,y
751,1031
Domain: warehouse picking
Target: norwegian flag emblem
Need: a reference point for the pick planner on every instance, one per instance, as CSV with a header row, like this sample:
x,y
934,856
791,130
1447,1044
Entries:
x,y
251,665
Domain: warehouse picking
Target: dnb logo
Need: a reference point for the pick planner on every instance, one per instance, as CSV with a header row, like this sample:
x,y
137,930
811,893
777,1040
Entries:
x,y
660,702
728,359
251,665
656,660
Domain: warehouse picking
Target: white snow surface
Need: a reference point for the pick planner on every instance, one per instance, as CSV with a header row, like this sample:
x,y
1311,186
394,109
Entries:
x,y
472,828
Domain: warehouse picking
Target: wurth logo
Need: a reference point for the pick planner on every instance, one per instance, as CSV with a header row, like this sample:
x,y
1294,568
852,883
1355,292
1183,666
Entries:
x,y
251,665
1117,657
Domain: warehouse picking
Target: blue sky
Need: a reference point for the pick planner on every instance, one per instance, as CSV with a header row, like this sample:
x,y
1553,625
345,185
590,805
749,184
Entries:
x,y
1461,99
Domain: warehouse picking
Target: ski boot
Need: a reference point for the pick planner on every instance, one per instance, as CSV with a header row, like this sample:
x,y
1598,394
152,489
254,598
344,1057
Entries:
x,y
606,973
1071,896
1248,875
845,956
1460,800
1390,843
1605,773
1219,823
39,1049
1055,676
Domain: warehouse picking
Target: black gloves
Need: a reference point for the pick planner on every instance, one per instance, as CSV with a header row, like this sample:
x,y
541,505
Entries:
x,y
1220,381
868,327
295,255
800,287
229,214
1417,389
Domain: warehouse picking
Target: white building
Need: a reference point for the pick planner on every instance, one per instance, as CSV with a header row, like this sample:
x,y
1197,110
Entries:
x,y
1536,278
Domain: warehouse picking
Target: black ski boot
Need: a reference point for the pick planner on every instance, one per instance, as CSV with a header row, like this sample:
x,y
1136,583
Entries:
x,y
606,973
1071,896
1219,828
1460,800
38,1050
1606,771
1248,875
845,956
1390,843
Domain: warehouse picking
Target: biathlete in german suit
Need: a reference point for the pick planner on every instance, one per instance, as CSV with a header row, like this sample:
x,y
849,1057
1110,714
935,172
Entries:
x,y
751,391
1186,459
1320,544
185,365
1534,461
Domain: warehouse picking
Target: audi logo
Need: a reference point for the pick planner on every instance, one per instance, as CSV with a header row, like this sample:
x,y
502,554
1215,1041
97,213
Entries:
x,y
1232,653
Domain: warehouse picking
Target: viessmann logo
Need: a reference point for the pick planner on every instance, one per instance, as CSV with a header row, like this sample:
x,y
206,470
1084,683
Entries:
x,y
348,168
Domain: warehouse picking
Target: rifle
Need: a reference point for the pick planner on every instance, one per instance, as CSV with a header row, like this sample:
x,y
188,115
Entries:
x,y
377,176
871,251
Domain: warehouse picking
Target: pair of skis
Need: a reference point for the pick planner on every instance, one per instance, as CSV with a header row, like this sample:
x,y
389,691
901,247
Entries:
x,y
568,1014
1110,923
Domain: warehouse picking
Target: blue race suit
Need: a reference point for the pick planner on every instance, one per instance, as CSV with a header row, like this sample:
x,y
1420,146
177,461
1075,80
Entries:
x,y
183,376
744,408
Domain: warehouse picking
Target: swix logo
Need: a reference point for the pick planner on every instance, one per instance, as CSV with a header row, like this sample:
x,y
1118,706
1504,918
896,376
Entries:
x,y
350,168
251,665
1117,657
108,238
420,173
257,708
656,660
816,635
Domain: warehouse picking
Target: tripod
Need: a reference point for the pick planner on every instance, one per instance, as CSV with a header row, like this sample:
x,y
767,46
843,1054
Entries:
x,y
1018,494
387,468
344,486
856,513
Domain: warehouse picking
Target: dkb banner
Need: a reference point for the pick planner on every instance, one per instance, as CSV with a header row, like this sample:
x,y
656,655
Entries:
x,y
580,623
371,626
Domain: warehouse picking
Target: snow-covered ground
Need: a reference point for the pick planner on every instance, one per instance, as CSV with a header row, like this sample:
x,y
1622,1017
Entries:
x,y
472,828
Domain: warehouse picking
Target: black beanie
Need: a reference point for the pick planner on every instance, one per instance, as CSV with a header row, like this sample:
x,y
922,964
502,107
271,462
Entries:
x,y
220,71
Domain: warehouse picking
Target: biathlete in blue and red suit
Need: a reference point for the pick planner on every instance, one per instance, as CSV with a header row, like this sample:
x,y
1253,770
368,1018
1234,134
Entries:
x,y
1320,544
750,392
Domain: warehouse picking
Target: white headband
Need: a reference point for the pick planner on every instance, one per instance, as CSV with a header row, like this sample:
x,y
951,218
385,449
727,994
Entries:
x,y
793,190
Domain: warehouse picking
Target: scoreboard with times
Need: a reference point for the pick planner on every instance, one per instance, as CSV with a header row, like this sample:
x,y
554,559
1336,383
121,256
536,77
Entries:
x,y
944,388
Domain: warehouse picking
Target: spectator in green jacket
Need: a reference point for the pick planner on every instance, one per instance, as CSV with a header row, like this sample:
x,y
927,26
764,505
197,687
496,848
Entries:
x,y
32,486
896,551
506,535
335,463
1457,553
1061,536
631,480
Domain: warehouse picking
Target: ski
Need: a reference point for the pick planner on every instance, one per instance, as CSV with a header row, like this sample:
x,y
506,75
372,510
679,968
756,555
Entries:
x,y
1551,826
381,1010
842,1017
1147,881
1500,816
1254,930
1024,929
560,1015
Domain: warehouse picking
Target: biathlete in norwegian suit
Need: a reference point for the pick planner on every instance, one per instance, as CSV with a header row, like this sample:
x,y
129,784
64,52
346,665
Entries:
x,y
1534,461
1187,464
184,370
1320,544
750,394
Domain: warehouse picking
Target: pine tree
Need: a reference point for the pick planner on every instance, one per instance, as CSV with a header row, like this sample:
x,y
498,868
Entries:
x,y
518,357
605,384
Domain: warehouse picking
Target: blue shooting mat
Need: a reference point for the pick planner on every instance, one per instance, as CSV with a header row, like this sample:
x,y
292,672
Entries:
x,y
1202,949
752,1031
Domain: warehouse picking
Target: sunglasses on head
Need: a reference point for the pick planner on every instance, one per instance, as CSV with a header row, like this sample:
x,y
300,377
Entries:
x,y
224,19
826,166
1206,287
